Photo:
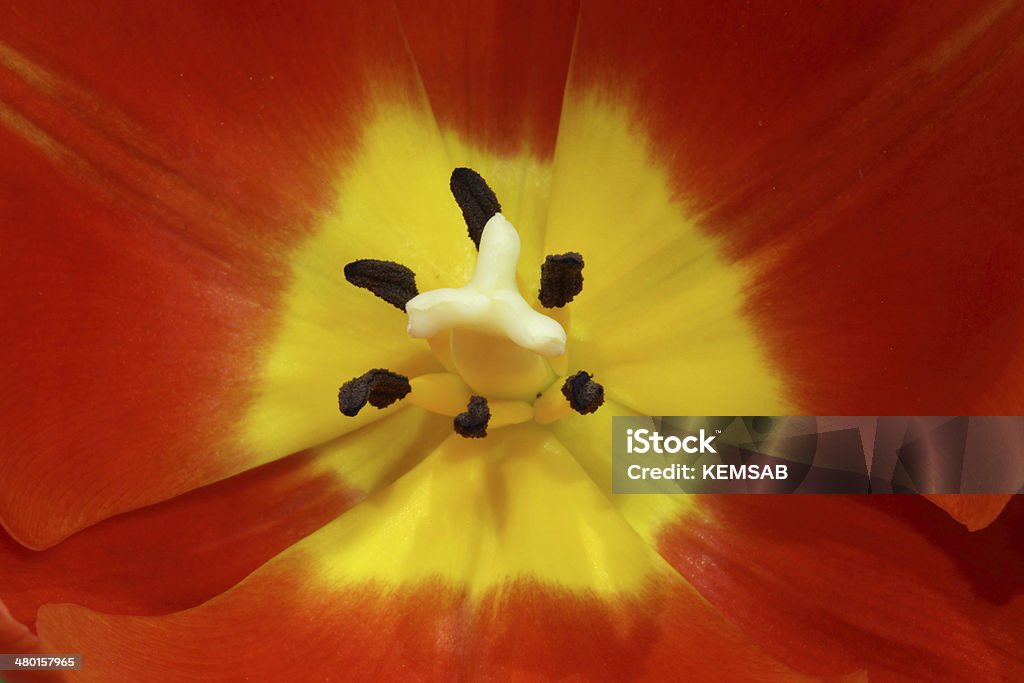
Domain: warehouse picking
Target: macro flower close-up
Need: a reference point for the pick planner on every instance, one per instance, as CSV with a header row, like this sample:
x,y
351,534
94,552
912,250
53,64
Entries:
x,y
317,316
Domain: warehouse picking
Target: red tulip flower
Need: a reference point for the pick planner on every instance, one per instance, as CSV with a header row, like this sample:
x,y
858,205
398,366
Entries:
x,y
782,208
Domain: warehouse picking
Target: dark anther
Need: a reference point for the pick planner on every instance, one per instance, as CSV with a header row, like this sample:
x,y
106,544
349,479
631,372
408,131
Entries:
x,y
472,424
561,279
583,394
477,201
392,282
379,388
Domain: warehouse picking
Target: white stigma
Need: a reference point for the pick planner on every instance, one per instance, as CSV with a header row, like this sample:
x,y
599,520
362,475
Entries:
x,y
490,302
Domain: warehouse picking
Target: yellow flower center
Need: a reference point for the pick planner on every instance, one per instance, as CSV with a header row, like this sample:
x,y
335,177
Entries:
x,y
604,195
495,346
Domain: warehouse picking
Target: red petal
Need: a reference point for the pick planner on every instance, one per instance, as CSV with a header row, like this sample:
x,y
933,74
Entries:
x,y
526,632
158,162
494,71
886,584
179,553
973,511
865,160
15,637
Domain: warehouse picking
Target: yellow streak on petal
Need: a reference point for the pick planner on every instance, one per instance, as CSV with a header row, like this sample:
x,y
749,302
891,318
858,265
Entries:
x,y
34,135
369,459
477,513
587,437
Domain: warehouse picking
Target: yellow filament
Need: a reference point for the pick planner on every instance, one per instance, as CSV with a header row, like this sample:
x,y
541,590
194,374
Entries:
x,y
504,413
441,392
552,404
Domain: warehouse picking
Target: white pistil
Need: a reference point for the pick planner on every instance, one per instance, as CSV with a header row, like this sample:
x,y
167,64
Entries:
x,y
490,302
486,330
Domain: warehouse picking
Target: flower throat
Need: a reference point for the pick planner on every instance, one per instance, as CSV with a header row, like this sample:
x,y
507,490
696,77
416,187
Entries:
x,y
500,352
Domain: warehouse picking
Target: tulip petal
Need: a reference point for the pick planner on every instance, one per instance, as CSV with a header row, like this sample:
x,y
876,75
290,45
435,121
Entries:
x,y
156,210
494,72
886,584
182,552
15,636
860,164
974,511
482,562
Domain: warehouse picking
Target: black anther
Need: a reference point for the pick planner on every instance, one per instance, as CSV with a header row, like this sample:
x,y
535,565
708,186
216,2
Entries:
x,y
561,279
380,388
476,199
583,394
472,423
391,281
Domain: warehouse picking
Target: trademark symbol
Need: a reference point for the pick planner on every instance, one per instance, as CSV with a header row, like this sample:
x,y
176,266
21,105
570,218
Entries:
x,y
718,431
